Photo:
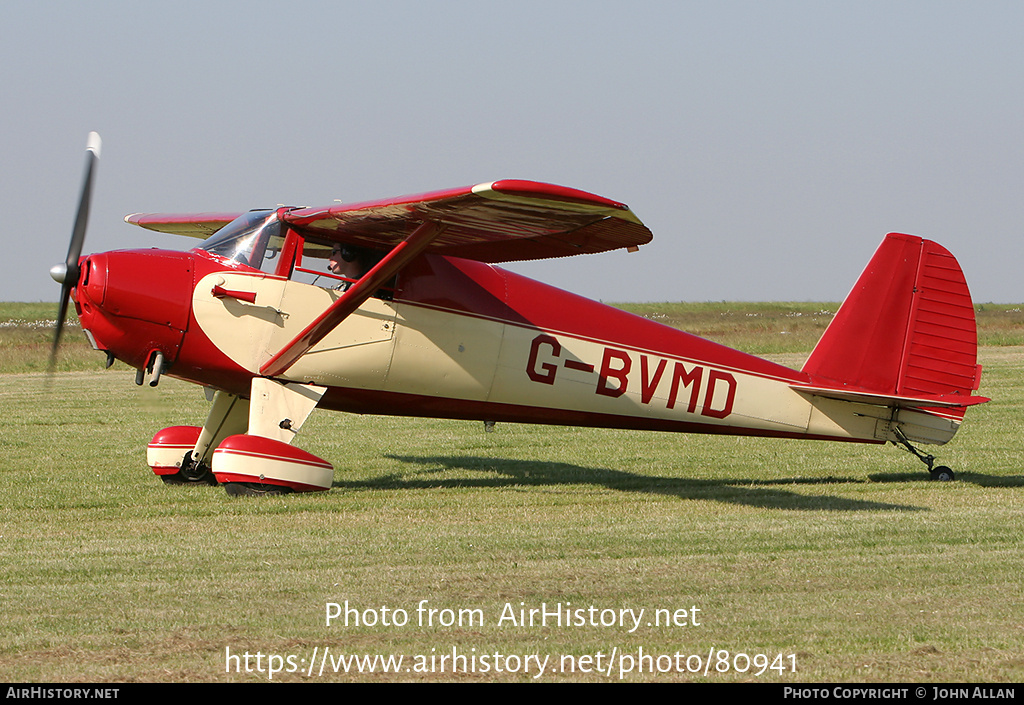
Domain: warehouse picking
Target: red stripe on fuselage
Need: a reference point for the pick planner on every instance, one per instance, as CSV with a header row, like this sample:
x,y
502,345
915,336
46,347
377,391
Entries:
x,y
467,288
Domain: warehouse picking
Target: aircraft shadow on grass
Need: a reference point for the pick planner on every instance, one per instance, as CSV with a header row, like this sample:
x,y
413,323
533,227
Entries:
x,y
974,478
508,473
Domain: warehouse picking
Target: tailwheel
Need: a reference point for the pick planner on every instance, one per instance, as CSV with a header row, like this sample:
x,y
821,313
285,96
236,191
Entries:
x,y
939,473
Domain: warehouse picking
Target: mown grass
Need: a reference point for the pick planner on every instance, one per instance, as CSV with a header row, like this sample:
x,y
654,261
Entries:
x,y
843,555
26,336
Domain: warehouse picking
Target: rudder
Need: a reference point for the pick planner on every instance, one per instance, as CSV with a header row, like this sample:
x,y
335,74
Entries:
x,y
907,328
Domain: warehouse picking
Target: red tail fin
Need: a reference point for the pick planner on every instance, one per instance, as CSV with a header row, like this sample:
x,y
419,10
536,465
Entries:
x,y
907,329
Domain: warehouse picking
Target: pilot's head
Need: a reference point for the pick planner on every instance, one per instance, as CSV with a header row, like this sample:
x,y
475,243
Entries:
x,y
345,261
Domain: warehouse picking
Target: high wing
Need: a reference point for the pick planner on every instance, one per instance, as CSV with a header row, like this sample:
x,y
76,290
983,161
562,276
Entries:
x,y
501,221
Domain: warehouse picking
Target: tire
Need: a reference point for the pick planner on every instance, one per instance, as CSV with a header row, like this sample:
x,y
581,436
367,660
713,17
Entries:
x,y
255,489
190,474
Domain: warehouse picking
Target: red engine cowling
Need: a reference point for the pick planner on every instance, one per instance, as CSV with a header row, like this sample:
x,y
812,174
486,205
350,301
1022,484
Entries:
x,y
134,303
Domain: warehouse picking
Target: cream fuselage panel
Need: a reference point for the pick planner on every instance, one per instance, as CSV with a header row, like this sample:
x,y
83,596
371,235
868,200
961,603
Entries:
x,y
443,354
413,349
355,354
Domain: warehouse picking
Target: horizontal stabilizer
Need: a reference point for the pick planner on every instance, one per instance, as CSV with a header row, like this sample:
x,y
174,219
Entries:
x,y
950,401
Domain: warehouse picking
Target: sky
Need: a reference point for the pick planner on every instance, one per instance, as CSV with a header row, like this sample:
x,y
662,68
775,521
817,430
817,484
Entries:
x,y
769,146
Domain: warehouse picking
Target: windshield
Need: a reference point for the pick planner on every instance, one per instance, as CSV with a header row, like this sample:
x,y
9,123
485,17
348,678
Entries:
x,y
248,239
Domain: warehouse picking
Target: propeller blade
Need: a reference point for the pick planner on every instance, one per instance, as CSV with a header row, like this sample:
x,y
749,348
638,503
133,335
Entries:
x,y
92,156
71,272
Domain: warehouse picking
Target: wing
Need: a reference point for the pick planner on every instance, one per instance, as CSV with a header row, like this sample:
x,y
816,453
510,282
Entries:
x,y
200,225
501,221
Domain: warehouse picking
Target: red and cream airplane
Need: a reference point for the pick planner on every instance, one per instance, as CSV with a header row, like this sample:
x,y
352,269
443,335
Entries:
x,y
396,307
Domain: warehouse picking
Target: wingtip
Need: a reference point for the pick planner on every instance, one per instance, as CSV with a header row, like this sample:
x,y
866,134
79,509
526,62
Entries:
x,y
94,143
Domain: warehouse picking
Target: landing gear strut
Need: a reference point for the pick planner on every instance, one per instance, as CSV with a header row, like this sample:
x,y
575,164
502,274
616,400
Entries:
x,y
940,473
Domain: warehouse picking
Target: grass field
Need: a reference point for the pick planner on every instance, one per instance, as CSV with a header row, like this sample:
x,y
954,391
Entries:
x,y
841,560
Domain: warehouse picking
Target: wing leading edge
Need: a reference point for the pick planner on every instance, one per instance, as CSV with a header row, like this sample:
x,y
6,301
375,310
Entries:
x,y
500,221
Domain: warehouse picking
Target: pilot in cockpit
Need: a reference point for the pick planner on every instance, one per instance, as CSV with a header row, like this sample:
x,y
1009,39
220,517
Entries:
x,y
347,261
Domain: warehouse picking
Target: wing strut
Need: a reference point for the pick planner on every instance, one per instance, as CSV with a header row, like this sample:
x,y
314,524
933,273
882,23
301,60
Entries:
x,y
349,301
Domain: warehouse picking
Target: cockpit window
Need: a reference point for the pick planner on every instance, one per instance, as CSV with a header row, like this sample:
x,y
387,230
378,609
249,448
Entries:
x,y
334,265
249,239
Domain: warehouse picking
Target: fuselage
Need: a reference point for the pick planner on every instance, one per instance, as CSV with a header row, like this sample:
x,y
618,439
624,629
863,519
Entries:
x,y
452,338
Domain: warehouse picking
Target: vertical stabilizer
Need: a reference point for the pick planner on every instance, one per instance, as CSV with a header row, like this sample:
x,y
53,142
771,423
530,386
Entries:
x,y
907,328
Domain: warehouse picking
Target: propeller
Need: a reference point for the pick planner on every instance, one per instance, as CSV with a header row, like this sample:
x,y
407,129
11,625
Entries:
x,y
67,274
